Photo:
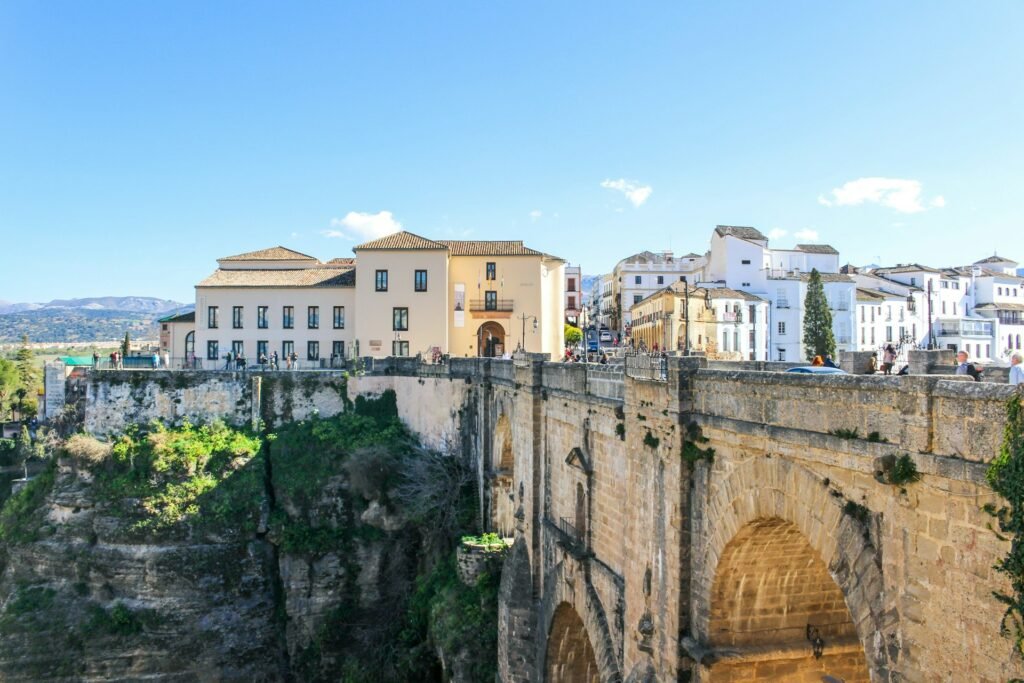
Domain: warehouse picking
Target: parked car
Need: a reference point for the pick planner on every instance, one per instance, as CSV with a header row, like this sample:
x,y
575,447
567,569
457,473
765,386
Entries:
x,y
817,370
606,337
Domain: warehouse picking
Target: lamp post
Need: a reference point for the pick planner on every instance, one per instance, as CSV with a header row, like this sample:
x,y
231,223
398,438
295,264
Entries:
x,y
522,339
686,316
931,327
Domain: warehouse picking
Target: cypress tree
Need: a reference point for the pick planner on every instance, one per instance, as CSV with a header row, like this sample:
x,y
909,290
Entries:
x,y
818,337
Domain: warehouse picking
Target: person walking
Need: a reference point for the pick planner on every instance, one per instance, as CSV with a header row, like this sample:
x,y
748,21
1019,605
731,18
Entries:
x,y
817,362
1016,370
227,361
972,370
273,361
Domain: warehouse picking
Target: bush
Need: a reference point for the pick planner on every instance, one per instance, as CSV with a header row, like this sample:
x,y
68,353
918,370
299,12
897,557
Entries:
x,y
87,450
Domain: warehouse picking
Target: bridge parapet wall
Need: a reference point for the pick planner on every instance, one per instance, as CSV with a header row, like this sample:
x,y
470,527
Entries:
x,y
940,415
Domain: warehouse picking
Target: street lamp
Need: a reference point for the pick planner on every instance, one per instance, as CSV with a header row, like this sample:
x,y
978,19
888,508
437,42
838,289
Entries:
x,y
686,315
524,318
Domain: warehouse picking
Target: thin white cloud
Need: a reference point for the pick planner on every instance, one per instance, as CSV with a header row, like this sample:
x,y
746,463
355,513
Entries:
x,y
636,193
807,235
776,233
535,215
899,194
357,225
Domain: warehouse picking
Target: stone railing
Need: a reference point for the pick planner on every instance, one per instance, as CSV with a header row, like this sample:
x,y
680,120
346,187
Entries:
x,y
944,416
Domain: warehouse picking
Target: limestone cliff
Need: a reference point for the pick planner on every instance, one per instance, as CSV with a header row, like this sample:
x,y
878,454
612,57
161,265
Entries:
x,y
209,554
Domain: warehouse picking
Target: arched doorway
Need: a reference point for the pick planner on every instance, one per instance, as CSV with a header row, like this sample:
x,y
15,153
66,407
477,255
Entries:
x,y
490,340
190,346
776,612
570,657
502,499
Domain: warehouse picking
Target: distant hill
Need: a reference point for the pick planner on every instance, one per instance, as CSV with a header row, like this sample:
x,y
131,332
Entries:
x,y
135,304
85,320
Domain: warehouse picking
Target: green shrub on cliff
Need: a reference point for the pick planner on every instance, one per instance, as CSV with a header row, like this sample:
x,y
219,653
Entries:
x,y
209,476
21,518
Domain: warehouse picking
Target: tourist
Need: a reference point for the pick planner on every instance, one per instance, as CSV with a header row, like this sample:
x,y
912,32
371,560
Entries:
x,y
95,359
273,361
888,359
294,358
227,361
262,359
872,364
818,362
1016,371
829,363
972,370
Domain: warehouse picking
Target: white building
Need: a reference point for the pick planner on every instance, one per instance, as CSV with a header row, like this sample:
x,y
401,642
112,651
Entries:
x,y
997,294
740,259
640,275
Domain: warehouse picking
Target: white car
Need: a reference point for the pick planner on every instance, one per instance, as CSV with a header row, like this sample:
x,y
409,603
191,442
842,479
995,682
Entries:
x,y
606,337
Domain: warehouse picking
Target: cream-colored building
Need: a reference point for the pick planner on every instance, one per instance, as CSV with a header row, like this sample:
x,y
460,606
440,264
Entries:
x,y
462,297
177,337
412,296
724,323
276,301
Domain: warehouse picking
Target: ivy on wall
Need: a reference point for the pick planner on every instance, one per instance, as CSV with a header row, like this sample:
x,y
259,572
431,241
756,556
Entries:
x,y
1006,476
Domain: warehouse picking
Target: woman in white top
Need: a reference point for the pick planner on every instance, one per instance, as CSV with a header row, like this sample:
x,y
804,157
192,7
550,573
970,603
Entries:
x,y
1016,370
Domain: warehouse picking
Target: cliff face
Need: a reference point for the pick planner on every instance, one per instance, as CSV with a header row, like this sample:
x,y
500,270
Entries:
x,y
207,554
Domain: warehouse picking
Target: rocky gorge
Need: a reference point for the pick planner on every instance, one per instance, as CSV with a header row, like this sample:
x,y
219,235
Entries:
x,y
321,551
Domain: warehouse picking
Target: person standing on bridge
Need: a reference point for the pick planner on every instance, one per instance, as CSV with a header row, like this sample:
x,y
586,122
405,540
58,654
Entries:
x,y
1016,370
964,368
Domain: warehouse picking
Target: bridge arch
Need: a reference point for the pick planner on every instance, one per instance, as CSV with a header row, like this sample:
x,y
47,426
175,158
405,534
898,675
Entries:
x,y
745,608
502,494
570,657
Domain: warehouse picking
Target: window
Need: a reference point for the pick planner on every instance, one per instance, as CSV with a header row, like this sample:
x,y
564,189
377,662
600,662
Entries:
x,y
888,333
261,317
288,317
211,317
782,328
337,349
943,308
400,319
339,317
236,317
490,300
212,352
782,354
381,281
661,279
399,348
313,350
954,308
745,262
571,286
745,284
572,303
164,327
862,333
492,270
287,349
872,336
636,280
420,281
313,317
237,348
637,298
862,314
913,282
999,291
261,350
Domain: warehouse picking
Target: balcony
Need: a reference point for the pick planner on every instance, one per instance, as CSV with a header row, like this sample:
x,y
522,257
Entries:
x,y
731,317
484,305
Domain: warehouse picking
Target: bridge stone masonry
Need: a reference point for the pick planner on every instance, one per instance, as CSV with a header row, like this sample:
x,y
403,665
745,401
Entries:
x,y
704,524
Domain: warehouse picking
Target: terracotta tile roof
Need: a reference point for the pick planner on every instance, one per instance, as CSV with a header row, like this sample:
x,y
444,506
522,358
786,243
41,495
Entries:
x,y
1000,307
740,231
726,293
828,277
300,277
489,248
271,254
341,262
997,259
907,268
816,248
400,240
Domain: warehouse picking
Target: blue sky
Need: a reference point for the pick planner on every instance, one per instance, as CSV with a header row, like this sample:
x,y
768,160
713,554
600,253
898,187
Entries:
x,y
140,141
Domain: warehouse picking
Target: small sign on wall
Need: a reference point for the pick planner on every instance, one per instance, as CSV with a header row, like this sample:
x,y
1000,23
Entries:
x,y
460,305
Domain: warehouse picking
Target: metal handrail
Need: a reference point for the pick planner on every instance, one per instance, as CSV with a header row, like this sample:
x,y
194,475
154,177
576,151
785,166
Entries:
x,y
501,305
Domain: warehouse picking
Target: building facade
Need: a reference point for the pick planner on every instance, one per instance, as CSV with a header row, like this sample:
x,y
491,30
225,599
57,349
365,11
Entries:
x,y
638,276
414,296
573,295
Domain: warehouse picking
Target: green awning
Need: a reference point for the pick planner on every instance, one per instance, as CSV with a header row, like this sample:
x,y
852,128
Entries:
x,y
75,360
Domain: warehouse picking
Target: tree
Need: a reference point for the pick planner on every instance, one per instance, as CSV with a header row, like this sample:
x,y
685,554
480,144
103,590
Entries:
x,y
126,345
9,383
573,335
818,337
29,377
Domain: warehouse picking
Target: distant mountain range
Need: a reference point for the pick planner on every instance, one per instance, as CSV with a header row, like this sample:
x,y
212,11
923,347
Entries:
x,y
90,319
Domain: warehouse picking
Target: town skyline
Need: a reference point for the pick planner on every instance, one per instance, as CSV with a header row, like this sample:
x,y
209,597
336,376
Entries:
x,y
140,156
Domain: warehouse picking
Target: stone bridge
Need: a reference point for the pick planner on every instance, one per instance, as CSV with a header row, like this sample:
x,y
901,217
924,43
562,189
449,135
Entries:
x,y
705,525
